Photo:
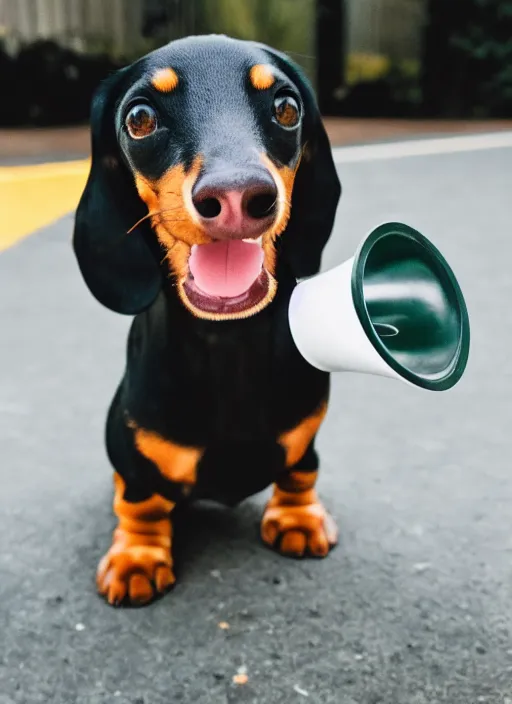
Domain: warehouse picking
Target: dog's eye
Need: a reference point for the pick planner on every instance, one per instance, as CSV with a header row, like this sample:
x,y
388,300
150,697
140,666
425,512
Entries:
x,y
141,121
286,110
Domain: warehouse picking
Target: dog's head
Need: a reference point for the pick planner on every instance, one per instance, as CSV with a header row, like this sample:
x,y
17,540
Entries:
x,y
210,165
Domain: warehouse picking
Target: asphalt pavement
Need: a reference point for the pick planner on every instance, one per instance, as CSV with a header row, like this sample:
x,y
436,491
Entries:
x,y
413,607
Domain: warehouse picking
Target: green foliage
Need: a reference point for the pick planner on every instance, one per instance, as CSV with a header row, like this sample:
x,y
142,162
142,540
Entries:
x,y
482,40
404,86
378,85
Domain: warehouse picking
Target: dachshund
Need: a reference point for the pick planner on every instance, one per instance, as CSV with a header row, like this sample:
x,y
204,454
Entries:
x,y
212,190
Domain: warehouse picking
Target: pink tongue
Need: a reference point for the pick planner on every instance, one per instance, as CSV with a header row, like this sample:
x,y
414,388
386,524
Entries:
x,y
225,269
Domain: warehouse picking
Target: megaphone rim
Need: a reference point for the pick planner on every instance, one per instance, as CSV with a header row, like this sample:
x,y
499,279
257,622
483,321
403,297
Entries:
x,y
433,382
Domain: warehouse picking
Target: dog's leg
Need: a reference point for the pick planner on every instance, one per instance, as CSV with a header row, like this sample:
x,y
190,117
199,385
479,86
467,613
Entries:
x,y
295,522
138,565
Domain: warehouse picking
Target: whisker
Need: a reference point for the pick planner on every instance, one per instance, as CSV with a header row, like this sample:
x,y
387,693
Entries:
x,y
150,215
291,54
272,206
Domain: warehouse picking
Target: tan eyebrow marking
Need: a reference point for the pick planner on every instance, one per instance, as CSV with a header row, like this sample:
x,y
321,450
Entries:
x,y
261,76
165,80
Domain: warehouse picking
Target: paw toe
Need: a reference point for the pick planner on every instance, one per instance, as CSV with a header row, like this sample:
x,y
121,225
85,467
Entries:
x,y
269,531
164,578
134,575
293,543
102,574
140,590
115,590
318,544
299,530
331,530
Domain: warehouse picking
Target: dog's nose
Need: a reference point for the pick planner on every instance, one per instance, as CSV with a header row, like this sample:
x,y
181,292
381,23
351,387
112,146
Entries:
x,y
235,206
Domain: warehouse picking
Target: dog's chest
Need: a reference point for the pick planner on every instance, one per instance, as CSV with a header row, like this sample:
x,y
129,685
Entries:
x,y
228,395
234,412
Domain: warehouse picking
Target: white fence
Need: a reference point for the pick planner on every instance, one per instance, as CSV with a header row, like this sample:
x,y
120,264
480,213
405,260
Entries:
x,y
112,25
390,27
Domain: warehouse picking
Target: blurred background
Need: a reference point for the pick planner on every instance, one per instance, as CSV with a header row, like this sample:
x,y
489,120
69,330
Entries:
x,y
366,58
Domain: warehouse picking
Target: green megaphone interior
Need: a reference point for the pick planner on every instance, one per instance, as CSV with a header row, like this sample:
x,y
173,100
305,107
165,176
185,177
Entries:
x,y
411,306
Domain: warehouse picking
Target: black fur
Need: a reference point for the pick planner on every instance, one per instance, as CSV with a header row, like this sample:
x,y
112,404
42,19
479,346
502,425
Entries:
x,y
232,386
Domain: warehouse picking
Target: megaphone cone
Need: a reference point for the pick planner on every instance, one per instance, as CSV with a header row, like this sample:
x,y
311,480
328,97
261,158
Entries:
x,y
395,309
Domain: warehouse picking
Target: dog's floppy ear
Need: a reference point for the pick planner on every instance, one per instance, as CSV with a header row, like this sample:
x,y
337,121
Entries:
x,y
317,188
119,268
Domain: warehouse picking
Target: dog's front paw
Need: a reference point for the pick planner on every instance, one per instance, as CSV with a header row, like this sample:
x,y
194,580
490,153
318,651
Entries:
x,y
134,570
298,530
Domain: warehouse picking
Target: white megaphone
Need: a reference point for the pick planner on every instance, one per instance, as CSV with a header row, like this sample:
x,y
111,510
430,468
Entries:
x,y
395,309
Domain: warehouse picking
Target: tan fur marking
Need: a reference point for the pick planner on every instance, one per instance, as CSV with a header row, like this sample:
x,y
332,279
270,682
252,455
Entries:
x,y
165,80
284,178
169,200
175,462
138,564
152,511
261,76
296,441
295,522
295,482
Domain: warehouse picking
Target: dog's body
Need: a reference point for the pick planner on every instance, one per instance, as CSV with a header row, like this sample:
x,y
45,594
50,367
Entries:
x,y
216,402
231,394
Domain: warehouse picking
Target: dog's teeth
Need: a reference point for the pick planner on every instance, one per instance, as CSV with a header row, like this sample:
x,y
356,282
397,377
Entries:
x,y
251,240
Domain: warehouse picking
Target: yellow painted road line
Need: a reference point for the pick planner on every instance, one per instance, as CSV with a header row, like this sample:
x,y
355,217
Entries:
x,y
34,196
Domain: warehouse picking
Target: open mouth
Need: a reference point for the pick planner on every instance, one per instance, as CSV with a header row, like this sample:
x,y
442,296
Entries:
x,y
227,279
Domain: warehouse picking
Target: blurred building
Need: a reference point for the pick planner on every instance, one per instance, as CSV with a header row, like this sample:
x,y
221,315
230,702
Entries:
x,y
62,47
399,58
118,27
128,28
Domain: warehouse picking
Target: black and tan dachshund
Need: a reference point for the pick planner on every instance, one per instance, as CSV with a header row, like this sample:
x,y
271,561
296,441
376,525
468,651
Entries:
x,y
212,189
